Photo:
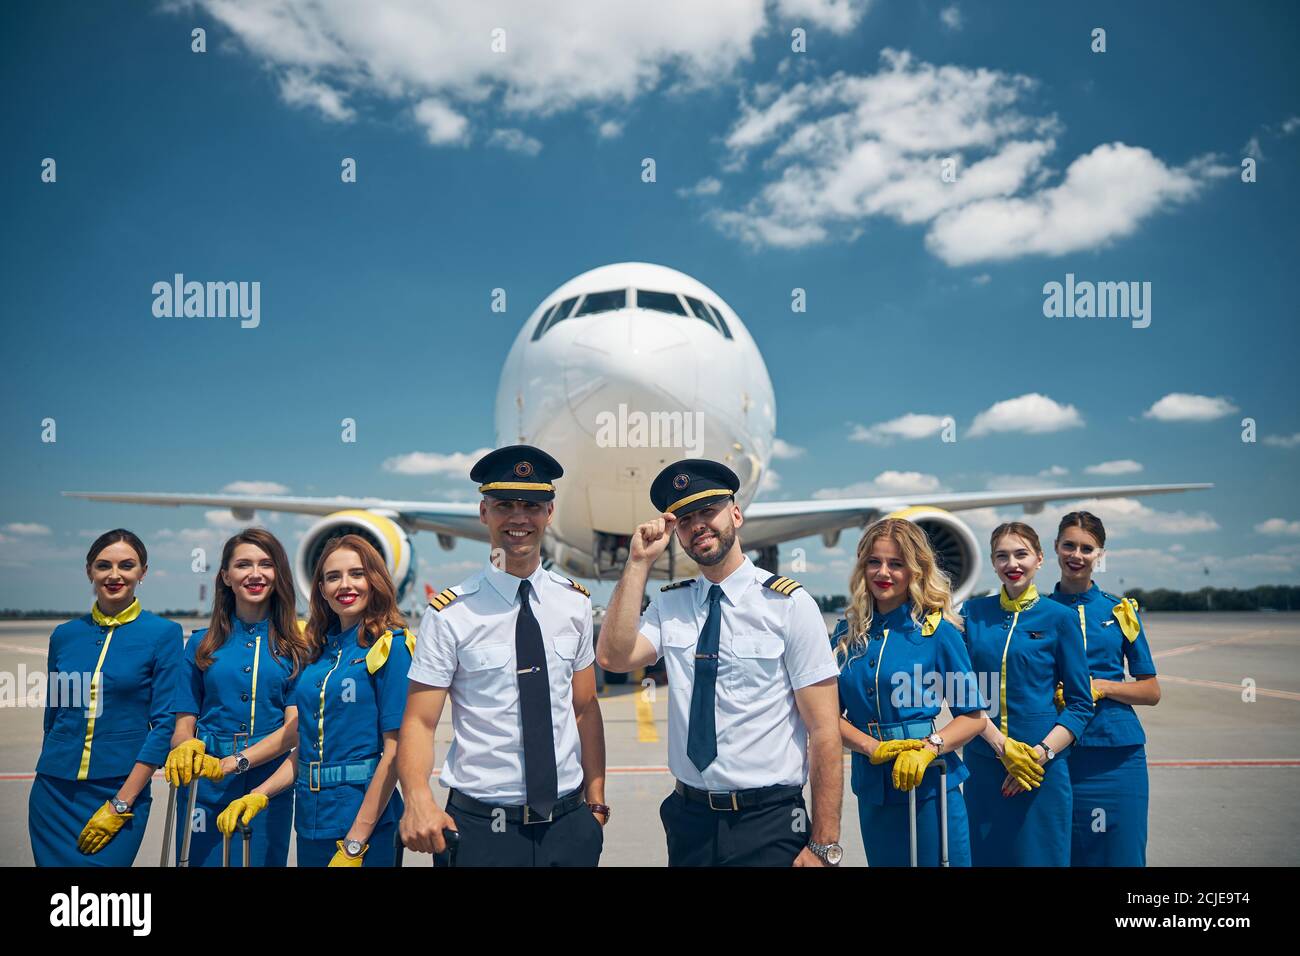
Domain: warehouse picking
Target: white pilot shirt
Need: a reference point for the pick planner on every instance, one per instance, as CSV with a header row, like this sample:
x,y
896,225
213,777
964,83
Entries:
x,y
770,645
469,646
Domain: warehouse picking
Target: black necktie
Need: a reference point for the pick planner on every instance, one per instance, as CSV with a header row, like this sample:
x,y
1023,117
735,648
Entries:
x,y
702,732
535,708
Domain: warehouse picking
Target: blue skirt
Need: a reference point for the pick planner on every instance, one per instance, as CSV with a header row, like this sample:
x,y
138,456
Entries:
x,y
885,830
1029,829
1111,794
382,852
58,810
270,828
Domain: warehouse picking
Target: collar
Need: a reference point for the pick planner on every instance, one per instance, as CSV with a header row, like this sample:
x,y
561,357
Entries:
x,y
898,619
334,638
734,585
257,627
1083,597
507,585
126,616
1023,603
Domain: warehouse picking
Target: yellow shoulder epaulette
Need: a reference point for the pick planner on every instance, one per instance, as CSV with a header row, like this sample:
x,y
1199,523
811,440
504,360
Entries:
x,y
677,584
578,587
930,623
782,585
1126,613
443,599
377,656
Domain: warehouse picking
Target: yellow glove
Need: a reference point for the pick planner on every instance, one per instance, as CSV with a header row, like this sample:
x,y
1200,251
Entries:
x,y
184,762
101,828
1021,763
889,749
910,766
209,768
241,810
341,857
1059,698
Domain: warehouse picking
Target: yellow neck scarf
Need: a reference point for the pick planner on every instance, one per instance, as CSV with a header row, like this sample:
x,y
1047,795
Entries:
x,y
128,615
1022,603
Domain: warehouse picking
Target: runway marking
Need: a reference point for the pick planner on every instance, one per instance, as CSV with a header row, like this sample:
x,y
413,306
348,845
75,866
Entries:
x,y
1214,642
23,649
1222,685
646,732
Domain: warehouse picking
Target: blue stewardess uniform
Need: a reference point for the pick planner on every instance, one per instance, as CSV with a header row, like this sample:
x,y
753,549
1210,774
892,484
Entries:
x,y
347,699
1022,655
239,700
1108,765
889,692
108,707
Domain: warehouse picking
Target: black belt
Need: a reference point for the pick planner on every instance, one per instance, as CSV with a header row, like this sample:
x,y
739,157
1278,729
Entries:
x,y
729,800
516,814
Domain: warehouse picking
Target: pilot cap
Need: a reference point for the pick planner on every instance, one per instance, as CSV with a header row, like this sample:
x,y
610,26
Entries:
x,y
517,473
692,484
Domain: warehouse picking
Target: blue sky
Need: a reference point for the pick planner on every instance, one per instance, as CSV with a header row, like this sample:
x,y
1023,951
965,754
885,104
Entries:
x,y
775,170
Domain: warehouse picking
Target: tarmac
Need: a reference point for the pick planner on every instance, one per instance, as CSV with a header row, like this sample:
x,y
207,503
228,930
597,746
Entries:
x,y
1223,749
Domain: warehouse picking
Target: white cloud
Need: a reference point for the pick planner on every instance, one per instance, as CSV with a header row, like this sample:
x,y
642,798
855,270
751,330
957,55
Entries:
x,y
298,89
1055,471
1122,466
982,279
1278,526
256,488
1126,515
457,464
1290,125
1283,441
708,186
516,141
1183,407
783,449
223,519
838,16
847,148
909,426
951,17
1033,414
27,528
442,125
885,483
610,129
770,482
437,55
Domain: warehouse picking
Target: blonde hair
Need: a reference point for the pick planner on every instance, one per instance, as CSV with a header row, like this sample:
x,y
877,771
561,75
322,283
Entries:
x,y
929,590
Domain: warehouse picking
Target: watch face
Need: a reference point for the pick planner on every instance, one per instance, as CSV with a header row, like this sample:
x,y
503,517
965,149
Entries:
x,y
120,806
353,847
834,853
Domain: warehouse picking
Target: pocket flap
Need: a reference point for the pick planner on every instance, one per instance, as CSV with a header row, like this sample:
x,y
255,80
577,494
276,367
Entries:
x,y
483,656
765,646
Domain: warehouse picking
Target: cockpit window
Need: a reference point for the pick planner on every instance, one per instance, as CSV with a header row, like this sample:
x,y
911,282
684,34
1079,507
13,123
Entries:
x,y
708,314
659,302
557,313
603,302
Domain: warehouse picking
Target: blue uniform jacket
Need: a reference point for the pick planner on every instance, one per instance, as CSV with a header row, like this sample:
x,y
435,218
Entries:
x,y
1114,723
241,697
904,675
1041,645
347,699
131,720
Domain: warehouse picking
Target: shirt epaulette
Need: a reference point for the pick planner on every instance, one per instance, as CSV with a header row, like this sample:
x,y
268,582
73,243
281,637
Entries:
x,y
443,599
782,585
578,587
677,584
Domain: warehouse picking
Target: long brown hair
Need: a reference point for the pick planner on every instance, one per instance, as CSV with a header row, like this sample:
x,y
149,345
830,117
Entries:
x,y
381,613
930,589
1018,528
1086,521
285,638
113,537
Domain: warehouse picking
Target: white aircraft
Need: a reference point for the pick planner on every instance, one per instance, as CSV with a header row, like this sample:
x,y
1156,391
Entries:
x,y
613,374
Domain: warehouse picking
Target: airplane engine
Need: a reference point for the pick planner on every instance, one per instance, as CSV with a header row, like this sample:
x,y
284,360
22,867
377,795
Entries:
x,y
388,537
954,544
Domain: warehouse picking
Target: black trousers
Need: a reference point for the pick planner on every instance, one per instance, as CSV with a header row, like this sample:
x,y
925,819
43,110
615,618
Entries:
x,y
766,836
574,839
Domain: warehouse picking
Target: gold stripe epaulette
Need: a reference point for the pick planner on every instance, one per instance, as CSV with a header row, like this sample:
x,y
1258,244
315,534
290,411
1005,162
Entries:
x,y
782,585
443,599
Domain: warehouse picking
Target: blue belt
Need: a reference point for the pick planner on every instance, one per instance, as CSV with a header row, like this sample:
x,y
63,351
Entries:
x,y
321,775
904,730
227,745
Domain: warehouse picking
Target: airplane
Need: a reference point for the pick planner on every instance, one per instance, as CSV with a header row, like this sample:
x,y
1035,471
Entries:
x,y
612,374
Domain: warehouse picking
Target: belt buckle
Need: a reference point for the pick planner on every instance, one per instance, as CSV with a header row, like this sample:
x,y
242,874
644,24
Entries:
x,y
873,730
530,817
723,793
235,742
313,783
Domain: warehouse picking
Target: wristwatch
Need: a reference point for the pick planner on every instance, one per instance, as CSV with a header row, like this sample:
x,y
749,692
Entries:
x,y
1051,754
832,853
120,806
600,808
937,741
241,762
353,848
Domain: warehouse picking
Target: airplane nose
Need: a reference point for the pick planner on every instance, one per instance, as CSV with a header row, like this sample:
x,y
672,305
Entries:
x,y
638,359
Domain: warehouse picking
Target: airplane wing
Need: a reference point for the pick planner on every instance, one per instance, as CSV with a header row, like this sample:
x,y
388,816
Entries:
x,y
771,522
456,518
